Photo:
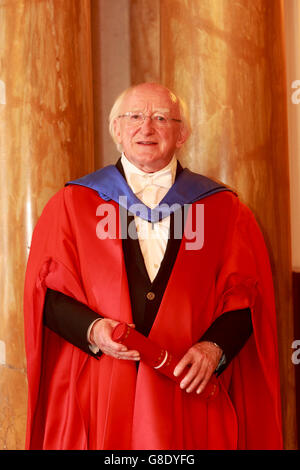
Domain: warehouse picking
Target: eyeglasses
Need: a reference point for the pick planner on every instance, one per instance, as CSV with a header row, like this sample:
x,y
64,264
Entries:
x,y
136,119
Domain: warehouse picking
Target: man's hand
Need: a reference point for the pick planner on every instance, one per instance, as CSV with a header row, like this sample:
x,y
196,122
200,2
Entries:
x,y
100,335
203,359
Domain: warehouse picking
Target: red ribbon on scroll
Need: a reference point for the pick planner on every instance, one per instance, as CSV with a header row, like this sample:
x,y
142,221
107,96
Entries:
x,y
155,356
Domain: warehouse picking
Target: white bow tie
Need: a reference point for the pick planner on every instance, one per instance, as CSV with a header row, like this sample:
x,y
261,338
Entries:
x,y
140,182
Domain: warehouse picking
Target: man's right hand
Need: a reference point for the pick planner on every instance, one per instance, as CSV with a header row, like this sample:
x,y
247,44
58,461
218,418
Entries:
x,y
101,336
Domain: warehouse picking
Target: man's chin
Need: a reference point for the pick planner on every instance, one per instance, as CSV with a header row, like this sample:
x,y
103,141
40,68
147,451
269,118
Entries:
x,y
151,165
147,151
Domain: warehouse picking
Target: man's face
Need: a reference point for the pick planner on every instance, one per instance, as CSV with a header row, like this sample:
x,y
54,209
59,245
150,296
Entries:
x,y
148,145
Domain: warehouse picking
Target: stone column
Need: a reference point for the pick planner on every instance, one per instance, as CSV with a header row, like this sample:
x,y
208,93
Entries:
x,y
46,138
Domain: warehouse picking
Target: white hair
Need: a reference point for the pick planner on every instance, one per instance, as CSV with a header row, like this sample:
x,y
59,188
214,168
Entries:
x,y
115,112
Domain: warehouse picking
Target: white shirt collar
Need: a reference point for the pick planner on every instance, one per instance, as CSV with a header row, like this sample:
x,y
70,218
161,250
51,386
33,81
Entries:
x,y
130,168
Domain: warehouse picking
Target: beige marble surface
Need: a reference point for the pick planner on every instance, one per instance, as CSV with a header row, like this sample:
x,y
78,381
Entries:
x,y
292,37
46,138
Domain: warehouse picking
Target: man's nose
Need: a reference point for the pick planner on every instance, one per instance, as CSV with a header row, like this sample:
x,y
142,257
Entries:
x,y
147,125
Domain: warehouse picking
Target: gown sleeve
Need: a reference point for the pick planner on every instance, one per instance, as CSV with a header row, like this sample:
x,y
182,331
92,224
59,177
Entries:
x,y
245,281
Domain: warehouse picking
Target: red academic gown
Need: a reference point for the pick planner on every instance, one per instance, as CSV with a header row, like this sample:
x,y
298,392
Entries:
x,y
78,402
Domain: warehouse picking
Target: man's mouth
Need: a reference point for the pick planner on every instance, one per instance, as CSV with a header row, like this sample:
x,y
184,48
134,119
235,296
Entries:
x,y
146,142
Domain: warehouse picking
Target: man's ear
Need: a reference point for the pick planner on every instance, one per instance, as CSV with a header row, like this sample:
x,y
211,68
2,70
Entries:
x,y
117,130
183,136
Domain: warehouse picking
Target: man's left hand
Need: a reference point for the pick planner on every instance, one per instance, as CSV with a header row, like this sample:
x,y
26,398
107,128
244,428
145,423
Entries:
x,y
203,359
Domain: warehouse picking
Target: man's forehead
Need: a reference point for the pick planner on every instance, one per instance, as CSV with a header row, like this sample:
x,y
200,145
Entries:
x,y
155,109
158,98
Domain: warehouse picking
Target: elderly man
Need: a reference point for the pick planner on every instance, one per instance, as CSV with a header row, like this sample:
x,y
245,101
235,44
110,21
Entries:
x,y
178,258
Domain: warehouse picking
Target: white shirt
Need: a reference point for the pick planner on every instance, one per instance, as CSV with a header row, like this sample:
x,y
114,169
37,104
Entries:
x,y
151,188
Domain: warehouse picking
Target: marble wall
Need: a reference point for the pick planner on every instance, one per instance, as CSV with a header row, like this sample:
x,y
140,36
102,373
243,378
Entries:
x,y
292,40
46,138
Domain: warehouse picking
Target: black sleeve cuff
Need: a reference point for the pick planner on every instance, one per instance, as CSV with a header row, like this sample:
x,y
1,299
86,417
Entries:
x,y
230,331
69,318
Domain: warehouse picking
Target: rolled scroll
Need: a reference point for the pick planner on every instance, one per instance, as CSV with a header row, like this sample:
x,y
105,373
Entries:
x,y
155,356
